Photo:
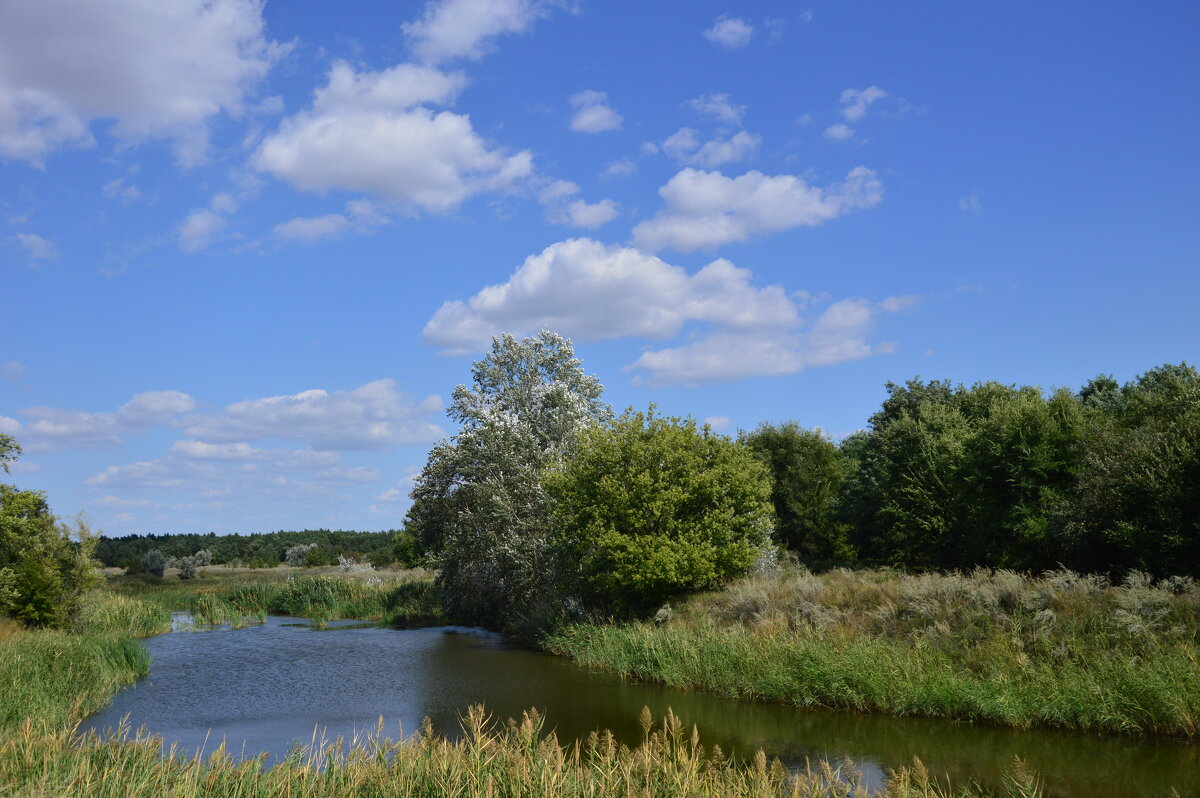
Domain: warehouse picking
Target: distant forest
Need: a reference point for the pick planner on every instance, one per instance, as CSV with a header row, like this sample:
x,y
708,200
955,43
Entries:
x,y
263,550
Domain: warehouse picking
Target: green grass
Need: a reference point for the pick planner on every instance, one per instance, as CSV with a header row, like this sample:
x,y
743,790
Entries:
x,y
53,679
490,760
404,598
1061,651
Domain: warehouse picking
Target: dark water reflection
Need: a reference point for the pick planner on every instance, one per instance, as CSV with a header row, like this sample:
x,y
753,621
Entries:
x,y
265,688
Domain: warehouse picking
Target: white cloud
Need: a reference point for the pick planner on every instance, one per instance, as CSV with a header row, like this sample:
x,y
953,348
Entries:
x,y
855,102
806,16
593,114
718,423
719,107
708,209
368,132
561,209
775,27
199,229
36,247
838,335
684,146
313,228
839,132
13,370
621,168
117,188
464,28
730,32
346,475
54,429
158,70
373,416
593,292
971,204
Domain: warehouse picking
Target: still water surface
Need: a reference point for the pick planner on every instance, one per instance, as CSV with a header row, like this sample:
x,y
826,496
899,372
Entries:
x,y
265,688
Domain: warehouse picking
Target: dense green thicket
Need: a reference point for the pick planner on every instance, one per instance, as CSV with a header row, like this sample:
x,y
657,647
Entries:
x,y
45,564
264,550
1104,480
648,508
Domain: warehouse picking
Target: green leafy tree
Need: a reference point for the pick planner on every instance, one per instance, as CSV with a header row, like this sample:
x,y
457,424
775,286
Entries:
x,y
45,565
807,474
650,507
478,505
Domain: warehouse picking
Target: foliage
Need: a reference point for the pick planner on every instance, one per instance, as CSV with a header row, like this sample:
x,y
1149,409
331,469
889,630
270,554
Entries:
x,y
650,507
807,474
187,568
478,504
45,564
203,557
297,556
154,562
10,450
257,550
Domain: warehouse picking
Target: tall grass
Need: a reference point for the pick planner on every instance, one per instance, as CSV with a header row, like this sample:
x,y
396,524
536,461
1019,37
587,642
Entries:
x,y
489,760
1062,650
408,598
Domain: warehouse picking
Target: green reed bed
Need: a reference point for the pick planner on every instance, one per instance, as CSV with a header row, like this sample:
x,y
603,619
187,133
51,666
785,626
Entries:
x,y
407,598
1063,650
52,679
490,759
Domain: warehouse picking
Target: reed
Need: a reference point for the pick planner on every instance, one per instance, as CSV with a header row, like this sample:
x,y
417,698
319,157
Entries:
x,y
489,760
1061,650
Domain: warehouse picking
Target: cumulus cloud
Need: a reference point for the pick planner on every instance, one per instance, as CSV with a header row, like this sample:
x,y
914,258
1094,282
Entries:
x,y
621,168
733,329
685,146
451,29
707,209
591,292
971,204
48,429
837,335
730,32
593,114
36,247
855,102
562,209
118,189
373,416
158,70
719,107
370,132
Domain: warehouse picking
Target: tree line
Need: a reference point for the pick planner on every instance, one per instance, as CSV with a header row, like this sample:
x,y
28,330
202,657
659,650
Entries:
x,y
263,549
545,506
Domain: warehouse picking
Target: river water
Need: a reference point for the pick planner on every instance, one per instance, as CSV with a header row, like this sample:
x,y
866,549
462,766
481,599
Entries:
x,y
267,688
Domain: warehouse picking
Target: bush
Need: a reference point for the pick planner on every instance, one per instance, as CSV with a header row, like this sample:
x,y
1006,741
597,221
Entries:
x,y
297,556
187,568
154,562
202,557
650,507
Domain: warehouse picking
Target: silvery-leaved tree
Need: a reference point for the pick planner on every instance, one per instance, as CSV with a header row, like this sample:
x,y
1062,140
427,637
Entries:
x,y
478,505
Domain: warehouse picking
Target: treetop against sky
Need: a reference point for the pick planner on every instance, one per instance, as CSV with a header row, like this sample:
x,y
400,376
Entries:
x,y
248,249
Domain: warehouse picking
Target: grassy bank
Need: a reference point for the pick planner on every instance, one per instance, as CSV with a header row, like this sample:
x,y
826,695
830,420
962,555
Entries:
x,y
220,595
52,679
513,759
1063,650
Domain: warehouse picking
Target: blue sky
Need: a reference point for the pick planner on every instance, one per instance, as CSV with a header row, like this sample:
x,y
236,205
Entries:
x,y
248,250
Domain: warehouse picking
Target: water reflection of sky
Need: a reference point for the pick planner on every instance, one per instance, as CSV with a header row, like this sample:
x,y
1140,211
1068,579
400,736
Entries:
x,y
267,688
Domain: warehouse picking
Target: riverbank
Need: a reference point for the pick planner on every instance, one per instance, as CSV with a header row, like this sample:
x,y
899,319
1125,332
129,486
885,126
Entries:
x,y
1065,650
